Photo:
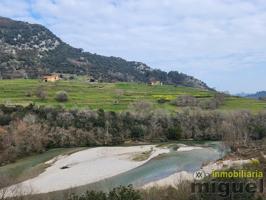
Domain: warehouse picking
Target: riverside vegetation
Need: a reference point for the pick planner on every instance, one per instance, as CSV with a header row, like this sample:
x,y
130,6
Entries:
x,y
33,129
166,113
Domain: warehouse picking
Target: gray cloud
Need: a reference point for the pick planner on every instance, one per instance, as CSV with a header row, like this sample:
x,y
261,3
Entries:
x,y
198,37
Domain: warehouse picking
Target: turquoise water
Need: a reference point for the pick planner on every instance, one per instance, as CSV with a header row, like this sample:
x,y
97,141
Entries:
x,y
164,166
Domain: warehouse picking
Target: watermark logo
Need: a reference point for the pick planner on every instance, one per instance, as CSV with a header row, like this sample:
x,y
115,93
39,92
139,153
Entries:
x,y
227,185
238,174
199,175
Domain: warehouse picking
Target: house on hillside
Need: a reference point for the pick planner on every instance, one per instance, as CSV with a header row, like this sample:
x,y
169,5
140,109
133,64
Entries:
x,y
51,78
91,79
155,83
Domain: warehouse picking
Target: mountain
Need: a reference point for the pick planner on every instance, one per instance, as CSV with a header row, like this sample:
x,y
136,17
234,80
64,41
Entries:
x,y
242,94
257,95
31,50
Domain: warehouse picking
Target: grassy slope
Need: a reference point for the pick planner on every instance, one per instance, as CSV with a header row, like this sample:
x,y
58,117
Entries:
x,y
103,95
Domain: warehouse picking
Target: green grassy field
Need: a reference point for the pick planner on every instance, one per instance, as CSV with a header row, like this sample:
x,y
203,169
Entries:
x,y
104,95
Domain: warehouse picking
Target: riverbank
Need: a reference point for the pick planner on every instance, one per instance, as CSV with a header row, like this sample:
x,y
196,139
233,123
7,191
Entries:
x,y
175,179
84,167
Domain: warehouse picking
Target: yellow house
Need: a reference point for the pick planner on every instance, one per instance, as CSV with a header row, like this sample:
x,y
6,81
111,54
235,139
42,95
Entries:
x,y
51,78
155,83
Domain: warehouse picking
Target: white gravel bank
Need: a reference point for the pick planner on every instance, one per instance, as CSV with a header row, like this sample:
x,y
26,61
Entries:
x,y
84,167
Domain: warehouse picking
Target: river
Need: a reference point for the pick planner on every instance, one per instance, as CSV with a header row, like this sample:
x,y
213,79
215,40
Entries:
x,y
165,165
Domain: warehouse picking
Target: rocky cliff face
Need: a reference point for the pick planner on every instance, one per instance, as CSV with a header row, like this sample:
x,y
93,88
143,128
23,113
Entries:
x,y
31,50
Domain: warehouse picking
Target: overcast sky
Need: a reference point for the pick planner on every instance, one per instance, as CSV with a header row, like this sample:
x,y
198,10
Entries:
x,y
222,42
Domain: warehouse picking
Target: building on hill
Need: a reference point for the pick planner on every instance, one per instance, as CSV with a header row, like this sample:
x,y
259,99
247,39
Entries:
x,y
155,83
51,78
92,80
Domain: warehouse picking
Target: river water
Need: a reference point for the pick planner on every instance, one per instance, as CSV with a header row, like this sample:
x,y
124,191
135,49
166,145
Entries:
x,y
165,165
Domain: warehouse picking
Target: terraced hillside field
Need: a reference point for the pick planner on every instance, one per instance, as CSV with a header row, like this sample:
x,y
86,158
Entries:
x,y
108,96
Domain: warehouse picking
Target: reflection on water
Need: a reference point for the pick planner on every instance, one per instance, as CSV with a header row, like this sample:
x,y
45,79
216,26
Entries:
x,y
165,165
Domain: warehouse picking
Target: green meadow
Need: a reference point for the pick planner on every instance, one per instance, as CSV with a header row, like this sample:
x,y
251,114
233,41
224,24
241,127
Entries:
x,y
108,96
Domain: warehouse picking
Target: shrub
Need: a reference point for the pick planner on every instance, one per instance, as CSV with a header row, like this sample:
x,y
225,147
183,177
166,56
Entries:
x,y
5,120
137,132
174,133
209,104
181,191
124,193
120,193
143,107
255,162
29,93
191,101
89,195
262,98
2,130
61,96
185,100
40,93
162,100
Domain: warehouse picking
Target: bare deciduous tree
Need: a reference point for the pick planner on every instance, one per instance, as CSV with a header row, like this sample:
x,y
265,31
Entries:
x,y
119,93
41,93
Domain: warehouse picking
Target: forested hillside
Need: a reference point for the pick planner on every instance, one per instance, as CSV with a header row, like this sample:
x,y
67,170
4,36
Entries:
x,y
31,50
